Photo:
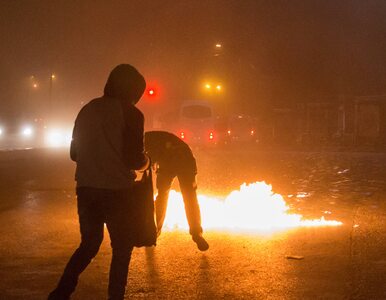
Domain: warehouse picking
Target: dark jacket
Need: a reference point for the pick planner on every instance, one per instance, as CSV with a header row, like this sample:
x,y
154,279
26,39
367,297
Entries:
x,y
107,140
170,152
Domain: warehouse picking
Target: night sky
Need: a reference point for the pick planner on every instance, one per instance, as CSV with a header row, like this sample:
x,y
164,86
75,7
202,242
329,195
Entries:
x,y
274,52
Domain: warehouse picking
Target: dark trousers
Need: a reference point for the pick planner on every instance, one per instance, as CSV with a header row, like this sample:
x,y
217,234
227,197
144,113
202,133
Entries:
x,y
97,207
188,186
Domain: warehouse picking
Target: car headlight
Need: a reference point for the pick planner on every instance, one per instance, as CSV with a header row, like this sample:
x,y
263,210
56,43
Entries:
x,y
27,131
58,138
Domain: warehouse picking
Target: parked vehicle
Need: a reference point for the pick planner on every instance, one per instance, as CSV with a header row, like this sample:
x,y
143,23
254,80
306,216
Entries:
x,y
241,129
193,122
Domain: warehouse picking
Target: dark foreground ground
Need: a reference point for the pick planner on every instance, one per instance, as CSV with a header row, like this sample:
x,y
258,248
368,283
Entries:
x,y
39,231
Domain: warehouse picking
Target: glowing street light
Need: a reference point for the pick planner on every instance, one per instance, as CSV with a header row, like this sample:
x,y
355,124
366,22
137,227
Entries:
x,y
218,46
50,98
33,82
212,88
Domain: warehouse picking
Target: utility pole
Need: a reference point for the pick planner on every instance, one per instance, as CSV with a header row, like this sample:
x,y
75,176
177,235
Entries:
x,y
50,100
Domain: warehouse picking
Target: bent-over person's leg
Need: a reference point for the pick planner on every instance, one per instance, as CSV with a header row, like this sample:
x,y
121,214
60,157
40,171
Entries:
x,y
188,186
163,183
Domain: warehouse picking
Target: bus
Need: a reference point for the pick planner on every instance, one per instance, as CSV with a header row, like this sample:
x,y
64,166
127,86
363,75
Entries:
x,y
193,122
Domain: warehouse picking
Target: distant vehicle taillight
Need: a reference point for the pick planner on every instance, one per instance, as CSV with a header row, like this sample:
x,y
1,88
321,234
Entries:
x,y
211,135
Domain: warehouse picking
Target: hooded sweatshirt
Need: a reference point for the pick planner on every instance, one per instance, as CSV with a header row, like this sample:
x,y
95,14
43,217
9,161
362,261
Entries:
x,y
107,142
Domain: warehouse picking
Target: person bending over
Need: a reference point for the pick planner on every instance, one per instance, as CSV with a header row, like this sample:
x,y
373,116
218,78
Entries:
x,y
174,158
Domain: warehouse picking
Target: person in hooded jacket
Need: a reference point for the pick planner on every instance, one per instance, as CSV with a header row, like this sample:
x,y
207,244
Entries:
x,y
107,146
174,158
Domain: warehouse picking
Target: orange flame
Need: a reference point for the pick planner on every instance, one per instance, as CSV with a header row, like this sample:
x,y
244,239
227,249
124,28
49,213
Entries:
x,y
254,207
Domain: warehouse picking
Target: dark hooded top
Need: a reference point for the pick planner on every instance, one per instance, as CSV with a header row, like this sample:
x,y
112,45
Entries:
x,y
107,142
171,153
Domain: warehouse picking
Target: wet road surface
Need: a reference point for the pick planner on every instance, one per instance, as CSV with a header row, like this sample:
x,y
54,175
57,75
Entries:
x,y
39,231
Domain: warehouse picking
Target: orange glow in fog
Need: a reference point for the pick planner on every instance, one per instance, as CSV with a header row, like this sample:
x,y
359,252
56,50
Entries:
x,y
254,207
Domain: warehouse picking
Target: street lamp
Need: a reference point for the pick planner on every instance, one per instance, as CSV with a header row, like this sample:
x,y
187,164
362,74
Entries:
x,y
210,87
217,50
52,77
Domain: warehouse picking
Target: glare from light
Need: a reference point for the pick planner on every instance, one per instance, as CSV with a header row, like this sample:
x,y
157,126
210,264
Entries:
x,y
207,86
254,207
53,76
218,87
218,46
1,131
35,85
58,138
27,131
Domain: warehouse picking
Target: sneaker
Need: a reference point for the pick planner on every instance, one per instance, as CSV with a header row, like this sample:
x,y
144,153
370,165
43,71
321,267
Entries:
x,y
202,244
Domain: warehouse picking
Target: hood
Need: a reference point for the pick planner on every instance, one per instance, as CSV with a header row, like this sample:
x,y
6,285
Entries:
x,y
126,83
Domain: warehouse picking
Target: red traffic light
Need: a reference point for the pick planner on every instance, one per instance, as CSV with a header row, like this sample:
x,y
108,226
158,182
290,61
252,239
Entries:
x,y
151,92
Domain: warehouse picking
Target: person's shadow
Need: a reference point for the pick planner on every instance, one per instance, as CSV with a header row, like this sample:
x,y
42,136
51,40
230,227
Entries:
x,y
205,287
152,273
204,283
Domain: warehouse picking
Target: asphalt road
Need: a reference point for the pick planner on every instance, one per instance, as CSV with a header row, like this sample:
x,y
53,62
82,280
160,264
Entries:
x,y
39,231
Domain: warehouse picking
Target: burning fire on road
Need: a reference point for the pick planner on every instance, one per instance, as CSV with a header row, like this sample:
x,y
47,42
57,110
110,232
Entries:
x,y
254,207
